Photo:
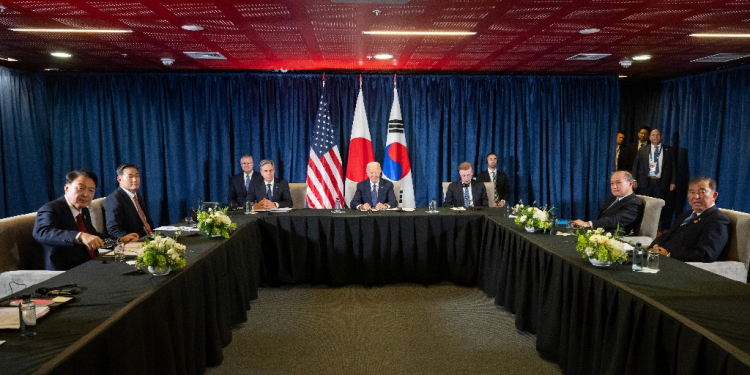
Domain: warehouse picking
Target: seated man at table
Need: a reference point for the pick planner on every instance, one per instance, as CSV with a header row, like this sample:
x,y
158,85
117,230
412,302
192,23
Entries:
x,y
374,193
63,227
124,208
621,210
241,183
466,192
698,235
270,192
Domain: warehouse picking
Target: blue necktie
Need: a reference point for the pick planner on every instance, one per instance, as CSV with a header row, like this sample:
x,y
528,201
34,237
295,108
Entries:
x,y
247,183
691,217
268,192
656,160
467,200
374,193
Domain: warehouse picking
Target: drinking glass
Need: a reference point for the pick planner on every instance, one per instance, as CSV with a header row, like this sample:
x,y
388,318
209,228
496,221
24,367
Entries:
x,y
119,252
189,221
653,261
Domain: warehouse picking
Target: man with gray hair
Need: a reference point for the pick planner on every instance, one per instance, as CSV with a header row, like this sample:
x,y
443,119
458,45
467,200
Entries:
x,y
622,210
270,192
241,183
700,234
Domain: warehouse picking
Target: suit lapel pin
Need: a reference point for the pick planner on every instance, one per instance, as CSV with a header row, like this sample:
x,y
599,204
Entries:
x,y
696,220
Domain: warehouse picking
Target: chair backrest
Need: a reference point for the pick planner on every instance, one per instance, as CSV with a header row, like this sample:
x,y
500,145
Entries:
x,y
445,189
298,190
18,248
96,209
649,224
397,190
490,186
738,247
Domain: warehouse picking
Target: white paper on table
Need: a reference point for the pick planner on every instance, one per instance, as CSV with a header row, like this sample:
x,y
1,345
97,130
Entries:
x,y
284,209
649,270
10,319
458,209
172,228
564,234
512,216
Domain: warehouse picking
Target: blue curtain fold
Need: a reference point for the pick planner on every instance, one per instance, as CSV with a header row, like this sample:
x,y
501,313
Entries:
x,y
553,134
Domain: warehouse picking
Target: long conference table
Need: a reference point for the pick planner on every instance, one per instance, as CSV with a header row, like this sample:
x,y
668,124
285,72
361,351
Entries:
x,y
589,320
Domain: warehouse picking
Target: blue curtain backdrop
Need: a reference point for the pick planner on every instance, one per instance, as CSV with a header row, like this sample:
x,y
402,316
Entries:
x,y
707,117
553,134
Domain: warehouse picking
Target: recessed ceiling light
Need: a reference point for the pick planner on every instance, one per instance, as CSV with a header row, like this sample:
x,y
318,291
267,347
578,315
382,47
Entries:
x,y
589,31
641,57
383,56
420,33
61,54
101,31
192,27
622,76
722,35
51,69
7,58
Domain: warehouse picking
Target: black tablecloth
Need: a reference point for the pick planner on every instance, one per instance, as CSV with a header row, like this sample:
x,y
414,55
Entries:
x,y
596,320
383,247
137,324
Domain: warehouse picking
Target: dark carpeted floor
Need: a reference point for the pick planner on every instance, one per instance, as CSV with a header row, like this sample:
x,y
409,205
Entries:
x,y
396,329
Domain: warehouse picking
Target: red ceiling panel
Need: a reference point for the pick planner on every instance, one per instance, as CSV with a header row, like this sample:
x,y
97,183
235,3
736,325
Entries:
x,y
535,36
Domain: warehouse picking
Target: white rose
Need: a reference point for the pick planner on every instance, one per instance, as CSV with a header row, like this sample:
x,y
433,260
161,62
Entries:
x,y
226,220
522,219
589,251
170,241
540,215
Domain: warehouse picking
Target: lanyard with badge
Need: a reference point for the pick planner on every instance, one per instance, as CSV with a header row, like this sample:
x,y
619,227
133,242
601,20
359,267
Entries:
x,y
653,161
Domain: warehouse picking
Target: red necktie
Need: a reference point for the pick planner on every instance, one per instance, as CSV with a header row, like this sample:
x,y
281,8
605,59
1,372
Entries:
x,y
82,229
141,215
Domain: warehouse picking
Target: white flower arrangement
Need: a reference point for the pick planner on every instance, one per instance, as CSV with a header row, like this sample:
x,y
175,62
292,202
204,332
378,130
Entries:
x,y
161,252
215,222
532,217
602,246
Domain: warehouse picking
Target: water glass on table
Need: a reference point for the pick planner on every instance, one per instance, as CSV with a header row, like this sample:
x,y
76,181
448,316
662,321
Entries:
x,y
189,221
651,260
119,252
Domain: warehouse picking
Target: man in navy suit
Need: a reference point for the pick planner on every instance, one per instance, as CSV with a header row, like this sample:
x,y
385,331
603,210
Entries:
x,y
466,192
698,235
374,193
124,208
270,192
241,183
622,210
63,227
655,171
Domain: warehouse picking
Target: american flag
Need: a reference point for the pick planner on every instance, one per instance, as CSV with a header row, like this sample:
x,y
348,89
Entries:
x,y
324,172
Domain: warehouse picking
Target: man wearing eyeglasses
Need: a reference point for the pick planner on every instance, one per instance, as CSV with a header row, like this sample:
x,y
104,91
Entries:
x,y
698,235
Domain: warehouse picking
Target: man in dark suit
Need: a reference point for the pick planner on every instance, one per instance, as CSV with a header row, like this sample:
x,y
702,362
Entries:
x,y
270,192
466,192
655,170
621,210
63,227
374,193
124,208
500,180
698,235
241,183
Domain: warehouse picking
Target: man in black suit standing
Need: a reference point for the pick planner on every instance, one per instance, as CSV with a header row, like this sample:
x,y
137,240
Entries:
x,y
698,235
124,208
466,192
623,155
655,170
374,193
63,227
621,210
498,178
241,183
270,192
